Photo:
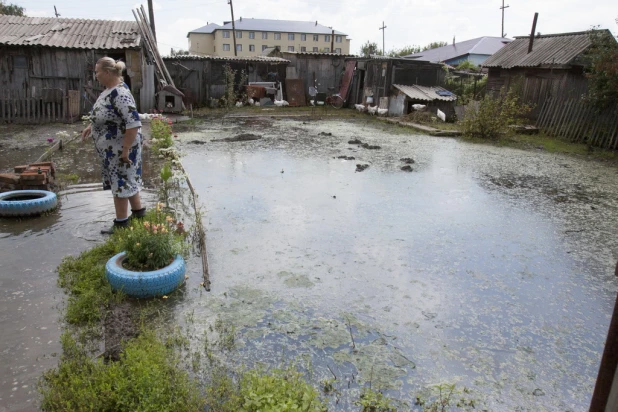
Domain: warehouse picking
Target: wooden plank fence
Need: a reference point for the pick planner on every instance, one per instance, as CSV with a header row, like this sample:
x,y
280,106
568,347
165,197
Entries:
x,y
578,121
47,106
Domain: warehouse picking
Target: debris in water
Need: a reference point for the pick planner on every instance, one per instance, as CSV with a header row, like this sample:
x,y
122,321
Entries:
x,y
407,168
360,167
245,137
346,157
355,141
407,160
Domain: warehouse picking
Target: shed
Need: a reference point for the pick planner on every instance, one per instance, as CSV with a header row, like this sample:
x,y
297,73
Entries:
x,y
202,78
313,68
47,69
554,67
435,97
375,75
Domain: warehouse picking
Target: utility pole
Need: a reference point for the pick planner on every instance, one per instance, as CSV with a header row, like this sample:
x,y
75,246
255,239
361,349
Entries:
x,y
332,42
503,34
382,28
233,26
151,16
56,12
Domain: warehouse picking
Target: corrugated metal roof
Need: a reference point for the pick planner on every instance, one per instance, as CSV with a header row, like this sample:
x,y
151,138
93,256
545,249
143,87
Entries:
x,y
279,26
208,29
68,33
425,93
481,45
549,49
319,54
264,59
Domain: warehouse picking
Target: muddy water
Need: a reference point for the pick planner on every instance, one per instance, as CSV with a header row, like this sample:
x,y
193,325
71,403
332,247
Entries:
x,y
486,267
30,251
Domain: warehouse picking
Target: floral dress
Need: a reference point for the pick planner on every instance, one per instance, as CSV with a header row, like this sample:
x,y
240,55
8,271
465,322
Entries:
x,y
113,113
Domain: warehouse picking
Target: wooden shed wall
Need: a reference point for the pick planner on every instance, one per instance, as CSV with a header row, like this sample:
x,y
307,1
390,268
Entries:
x,y
328,70
53,71
202,80
536,85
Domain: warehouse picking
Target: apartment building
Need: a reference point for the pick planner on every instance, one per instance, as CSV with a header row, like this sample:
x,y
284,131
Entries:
x,y
255,35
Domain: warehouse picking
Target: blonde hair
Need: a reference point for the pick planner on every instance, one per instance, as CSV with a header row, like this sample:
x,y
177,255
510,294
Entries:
x,y
112,66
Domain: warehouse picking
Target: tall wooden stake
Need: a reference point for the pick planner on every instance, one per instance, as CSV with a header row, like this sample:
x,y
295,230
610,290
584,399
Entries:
x,y
151,17
536,16
233,26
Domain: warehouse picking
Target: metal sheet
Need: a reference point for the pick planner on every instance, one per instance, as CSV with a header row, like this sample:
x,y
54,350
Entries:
x,y
347,79
296,92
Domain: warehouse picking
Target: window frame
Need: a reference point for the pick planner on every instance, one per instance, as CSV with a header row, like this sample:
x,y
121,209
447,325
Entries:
x,y
290,36
252,47
291,48
264,35
277,36
227,47
252,35
226,34
316,37
303,37
239,47
338,39
327,38
239,34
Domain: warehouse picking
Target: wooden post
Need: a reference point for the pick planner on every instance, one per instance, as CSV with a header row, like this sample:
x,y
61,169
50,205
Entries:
x,y
536,16
233,26
152,22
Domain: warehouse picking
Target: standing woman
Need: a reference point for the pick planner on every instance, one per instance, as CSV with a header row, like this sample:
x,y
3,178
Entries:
x,y
116,130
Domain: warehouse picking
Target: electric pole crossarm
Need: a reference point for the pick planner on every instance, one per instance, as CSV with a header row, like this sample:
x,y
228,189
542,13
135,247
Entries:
x,y
383,30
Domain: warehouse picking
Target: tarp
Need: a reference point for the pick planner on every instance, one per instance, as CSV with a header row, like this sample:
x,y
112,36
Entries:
x,y
346,80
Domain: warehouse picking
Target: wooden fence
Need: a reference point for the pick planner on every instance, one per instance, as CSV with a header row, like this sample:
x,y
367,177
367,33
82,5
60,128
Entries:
x,y
579,121
46,106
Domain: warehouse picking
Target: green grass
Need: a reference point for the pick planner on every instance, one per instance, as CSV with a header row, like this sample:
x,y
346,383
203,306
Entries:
x,y
147,378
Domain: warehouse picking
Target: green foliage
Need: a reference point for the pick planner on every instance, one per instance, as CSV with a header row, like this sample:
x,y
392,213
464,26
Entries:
x,y
279,390
493,116
602,69
11,9
435,45
148,377
161,129
444,397
423,117
150,244
374,401
404,51
369,48
166,172
179,52
84,280
467,65
232,89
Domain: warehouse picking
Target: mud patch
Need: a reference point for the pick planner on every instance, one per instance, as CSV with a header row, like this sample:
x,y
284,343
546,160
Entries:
x,y
346,157
361,167
245,137
407,168
407,160
120,326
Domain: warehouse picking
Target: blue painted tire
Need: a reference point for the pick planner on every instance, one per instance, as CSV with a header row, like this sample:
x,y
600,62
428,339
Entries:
x,y
41,201
145,284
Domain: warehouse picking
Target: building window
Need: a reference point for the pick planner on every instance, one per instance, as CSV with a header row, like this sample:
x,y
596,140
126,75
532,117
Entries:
x,y
264,35
226,47
303,49
303,37
291,36
338,50
226,34
327,38
239,35
252,47
315,49
316,37
277,36
264,47
20,62
239,47
326,49
290,48
252,35
338,39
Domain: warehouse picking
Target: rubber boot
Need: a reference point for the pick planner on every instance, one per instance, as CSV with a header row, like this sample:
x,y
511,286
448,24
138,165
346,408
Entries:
x,y
117,225
138,214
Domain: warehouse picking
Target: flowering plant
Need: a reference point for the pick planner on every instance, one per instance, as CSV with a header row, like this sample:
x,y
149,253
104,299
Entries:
x,y
151,243
161,129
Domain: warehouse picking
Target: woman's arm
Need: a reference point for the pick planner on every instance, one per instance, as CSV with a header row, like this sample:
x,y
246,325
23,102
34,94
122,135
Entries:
x,y
127,142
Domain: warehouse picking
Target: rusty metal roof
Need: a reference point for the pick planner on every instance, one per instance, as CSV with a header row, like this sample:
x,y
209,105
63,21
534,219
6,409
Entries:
x,y
301,53
263,59
425,93
68,33
549,49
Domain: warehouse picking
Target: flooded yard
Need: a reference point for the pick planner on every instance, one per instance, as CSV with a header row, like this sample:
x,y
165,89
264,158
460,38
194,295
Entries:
x,y
487,267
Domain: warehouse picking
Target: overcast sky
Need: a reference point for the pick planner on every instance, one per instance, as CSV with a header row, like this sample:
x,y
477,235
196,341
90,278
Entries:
x,y
409,22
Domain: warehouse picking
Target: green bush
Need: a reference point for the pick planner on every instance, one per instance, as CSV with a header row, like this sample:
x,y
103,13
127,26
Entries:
x,y
374,401
161,130
147,378
493,116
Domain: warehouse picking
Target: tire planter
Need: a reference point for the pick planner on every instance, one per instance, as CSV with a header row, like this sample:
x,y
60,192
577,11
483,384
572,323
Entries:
x,y
145,284
27,202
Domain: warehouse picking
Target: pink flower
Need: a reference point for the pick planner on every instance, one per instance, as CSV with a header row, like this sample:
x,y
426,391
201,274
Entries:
x,y
50,140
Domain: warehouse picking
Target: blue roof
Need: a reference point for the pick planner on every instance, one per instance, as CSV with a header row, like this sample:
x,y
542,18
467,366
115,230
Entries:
x,y
481,45
281,26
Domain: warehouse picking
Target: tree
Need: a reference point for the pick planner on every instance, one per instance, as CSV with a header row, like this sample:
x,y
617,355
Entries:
x,y
404,51
179,52
602,69
434,45
11,9
369,48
